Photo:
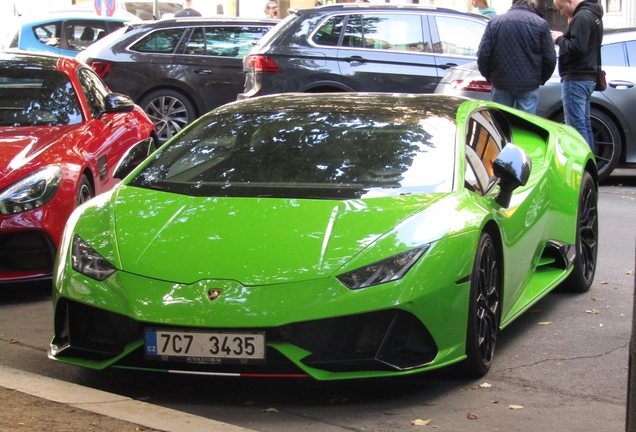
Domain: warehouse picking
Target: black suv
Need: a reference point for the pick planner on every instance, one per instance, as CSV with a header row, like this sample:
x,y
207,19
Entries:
x,y
362,48
177,69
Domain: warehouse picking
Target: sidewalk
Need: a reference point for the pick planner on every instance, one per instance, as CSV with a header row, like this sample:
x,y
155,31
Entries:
x,y
36,403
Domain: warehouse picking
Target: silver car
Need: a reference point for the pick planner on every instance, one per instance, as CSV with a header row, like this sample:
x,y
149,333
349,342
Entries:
x,y
613,111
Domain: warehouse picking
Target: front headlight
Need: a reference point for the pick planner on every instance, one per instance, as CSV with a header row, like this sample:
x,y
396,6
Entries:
x,y
89,262
31,192
387,270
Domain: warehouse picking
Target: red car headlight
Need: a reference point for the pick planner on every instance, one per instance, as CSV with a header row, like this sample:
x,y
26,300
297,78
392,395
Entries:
x,y
32,191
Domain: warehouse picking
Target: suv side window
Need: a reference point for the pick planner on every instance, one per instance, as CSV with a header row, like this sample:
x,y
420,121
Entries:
x,y
457,36
223,41
386,32
160,41
484,142
329,33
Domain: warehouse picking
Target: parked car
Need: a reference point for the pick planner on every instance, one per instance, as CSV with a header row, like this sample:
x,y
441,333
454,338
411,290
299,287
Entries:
x,y
65,32
177,69
342,235
362,48
613,124
62,135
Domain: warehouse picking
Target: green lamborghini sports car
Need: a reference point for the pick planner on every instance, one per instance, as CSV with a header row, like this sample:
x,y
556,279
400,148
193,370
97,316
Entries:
x,y
332,236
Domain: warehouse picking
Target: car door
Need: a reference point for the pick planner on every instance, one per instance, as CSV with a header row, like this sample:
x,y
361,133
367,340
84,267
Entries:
x,y
455,40
388,52
619,63
212,60
110,135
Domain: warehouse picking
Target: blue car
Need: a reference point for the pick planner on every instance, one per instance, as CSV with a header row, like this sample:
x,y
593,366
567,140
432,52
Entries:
x,y
62,33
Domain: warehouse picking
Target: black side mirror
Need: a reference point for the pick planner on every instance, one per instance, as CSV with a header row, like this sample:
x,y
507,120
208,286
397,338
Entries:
x,y
512,167
116,102
133,157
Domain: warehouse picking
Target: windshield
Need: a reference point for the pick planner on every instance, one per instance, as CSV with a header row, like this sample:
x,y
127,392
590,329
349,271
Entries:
x,y
306,155
31,97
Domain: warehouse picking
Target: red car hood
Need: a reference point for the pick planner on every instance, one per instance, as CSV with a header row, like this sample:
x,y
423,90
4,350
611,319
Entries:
x,y
20,146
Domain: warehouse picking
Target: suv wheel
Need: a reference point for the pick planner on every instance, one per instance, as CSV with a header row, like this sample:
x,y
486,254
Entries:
x,y
169,110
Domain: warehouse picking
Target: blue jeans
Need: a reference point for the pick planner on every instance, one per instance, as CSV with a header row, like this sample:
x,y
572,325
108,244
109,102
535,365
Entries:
x,y
522,100
576,107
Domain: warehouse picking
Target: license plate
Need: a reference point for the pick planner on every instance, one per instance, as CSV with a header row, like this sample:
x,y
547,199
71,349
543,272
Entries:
x,y
204,347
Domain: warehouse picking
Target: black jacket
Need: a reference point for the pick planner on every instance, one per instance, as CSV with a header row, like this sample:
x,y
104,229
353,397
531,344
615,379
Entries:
x,y
516,51
580,43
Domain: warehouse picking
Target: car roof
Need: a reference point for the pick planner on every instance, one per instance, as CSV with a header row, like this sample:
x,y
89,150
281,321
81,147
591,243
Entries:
x,y
32,60
221,19
616,35
72,15
438,105
360,7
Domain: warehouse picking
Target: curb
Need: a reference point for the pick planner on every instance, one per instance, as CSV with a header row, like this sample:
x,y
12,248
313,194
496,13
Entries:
x,y
109,404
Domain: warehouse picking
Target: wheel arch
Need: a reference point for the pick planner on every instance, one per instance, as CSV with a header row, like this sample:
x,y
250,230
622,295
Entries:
x,y
558,113
325,87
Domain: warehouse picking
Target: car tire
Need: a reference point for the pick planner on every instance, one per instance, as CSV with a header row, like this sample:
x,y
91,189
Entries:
x,y
484,309
582,276
170,111
84,191
608,144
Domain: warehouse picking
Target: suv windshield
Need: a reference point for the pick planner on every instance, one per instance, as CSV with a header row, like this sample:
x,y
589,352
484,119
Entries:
x,y
37,98
306,155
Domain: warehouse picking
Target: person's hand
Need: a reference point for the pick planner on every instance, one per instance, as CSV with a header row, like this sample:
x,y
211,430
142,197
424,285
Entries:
x,y
555,34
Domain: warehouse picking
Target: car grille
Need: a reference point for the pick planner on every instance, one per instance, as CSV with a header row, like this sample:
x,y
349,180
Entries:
x,y
26,251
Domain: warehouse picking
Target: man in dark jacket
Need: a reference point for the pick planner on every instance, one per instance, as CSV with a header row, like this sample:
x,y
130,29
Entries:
x,y
187,10
579,61
516,55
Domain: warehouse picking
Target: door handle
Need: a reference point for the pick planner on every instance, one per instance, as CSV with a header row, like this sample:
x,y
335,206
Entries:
x,y
356,59
203,71
620,84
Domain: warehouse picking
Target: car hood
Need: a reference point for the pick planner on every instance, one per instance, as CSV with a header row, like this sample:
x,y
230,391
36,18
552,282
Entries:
x,y
256,241
21,146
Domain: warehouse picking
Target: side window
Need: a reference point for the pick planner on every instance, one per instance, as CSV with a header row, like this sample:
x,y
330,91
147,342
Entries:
x,y
394,32
224,41
458,37
81,34
386,32
484,142
353,32
94,90
48,34
613,55
160,41
329,33
631,53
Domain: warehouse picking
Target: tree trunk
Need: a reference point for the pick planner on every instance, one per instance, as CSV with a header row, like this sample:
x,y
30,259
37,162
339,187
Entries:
x,y
552,15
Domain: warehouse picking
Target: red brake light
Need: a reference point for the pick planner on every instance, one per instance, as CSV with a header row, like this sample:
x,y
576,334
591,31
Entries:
x,y
100,67
260,63
475,85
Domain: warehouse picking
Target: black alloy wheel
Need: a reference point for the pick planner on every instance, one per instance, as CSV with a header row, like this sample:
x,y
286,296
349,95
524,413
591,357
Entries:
x,y
582,276
484,309
84,191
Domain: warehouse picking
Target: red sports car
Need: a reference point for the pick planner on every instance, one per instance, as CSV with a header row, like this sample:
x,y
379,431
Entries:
x,y
62,135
